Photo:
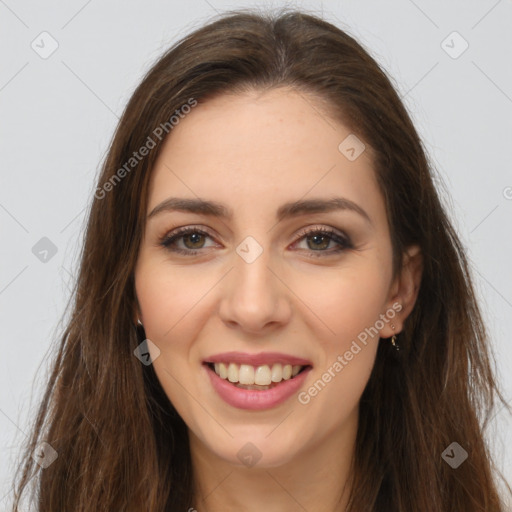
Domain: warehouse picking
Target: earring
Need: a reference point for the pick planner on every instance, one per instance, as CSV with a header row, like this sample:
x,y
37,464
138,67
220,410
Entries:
x,y
393,340
139,322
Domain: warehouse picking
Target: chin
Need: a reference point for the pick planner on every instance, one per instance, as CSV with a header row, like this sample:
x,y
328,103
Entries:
x,y
255,448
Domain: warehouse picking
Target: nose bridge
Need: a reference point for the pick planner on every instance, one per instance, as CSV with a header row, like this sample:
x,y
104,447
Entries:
x,y
254,297
253,277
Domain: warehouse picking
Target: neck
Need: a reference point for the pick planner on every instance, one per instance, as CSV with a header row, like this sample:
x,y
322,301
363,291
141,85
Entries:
x,y
317,478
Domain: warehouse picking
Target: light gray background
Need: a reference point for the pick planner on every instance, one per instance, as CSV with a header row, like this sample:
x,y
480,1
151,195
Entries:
x,y
58,114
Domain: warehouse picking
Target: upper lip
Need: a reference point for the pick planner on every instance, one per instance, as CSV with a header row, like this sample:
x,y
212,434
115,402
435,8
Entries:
x,y
257,359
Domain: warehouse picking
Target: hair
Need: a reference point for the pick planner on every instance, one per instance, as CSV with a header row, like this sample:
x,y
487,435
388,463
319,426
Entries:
x,y
121,445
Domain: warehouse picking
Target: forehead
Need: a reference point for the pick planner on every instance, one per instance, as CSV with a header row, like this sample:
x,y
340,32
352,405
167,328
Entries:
x,y
262,148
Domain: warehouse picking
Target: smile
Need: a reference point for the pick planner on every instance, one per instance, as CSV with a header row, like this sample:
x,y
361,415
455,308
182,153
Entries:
x,y
259,377
256,382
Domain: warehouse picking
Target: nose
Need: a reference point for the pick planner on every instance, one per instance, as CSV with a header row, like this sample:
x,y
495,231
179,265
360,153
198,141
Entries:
x,y
255,298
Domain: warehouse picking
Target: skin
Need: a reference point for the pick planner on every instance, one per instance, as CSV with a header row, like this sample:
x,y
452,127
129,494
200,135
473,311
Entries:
x,y
253,152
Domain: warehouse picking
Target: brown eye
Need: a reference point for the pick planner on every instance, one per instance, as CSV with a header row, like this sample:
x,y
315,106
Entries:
x,y
193,239
318,240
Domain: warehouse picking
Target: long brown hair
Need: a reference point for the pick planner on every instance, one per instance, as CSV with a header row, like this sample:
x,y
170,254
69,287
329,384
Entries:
x,y
120,443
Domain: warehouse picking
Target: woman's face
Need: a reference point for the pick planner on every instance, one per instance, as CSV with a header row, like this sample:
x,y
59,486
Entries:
x,y
260,289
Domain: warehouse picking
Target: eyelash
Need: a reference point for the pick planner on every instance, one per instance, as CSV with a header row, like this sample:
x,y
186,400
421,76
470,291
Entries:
x,y
342,240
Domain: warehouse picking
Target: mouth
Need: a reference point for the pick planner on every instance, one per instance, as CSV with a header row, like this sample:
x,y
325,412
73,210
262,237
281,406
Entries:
x,y
256,381
261,377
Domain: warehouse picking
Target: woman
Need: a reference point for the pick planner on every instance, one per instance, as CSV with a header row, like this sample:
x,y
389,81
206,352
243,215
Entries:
x,y
273,308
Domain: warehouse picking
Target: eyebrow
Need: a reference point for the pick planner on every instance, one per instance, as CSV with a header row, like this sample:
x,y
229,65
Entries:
x,y
287,210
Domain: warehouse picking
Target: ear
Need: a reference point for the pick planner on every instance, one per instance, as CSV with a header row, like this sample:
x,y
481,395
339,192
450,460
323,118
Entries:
x,y
404,290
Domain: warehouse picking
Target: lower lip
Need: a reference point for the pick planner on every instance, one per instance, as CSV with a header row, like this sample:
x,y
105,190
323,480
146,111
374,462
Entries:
x,y
253,399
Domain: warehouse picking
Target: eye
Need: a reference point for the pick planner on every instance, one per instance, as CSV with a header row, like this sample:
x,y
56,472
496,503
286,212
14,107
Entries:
x,y
321,238
191,236
193,240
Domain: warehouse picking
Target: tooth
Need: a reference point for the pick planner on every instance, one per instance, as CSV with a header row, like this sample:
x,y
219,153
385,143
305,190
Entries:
x,y
262,375
287,371
233,372
246,374
223,371
277,373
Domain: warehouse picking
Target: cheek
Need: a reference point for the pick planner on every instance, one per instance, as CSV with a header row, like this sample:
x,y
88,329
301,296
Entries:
x,y
349,302
175,306
166,322
345,301
168,300
350,309
168,297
